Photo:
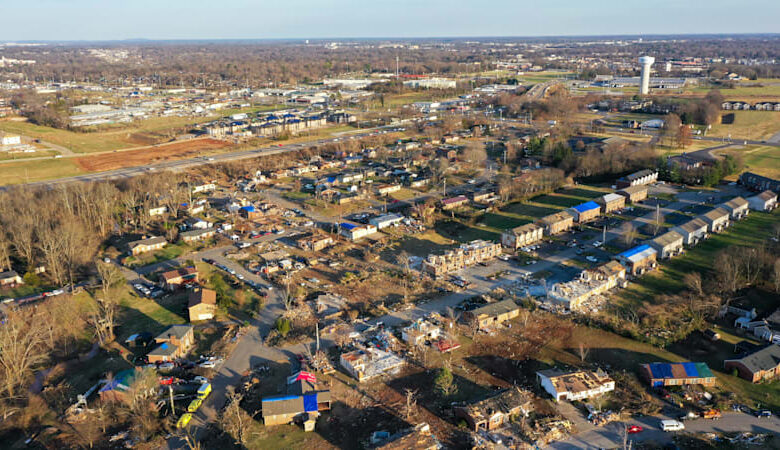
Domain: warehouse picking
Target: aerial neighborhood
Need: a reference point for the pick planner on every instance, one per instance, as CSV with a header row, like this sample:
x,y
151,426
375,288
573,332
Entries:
x,y
391,244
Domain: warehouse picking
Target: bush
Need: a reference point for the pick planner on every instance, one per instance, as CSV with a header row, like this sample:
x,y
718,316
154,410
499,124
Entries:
x,y
282,326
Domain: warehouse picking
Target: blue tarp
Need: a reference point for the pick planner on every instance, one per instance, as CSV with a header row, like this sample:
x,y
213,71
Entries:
x,y
278,399
310,402
347,226
587,206
634,251
691,370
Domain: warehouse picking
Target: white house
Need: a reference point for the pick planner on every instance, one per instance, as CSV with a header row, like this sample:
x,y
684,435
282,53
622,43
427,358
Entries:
x,y
765,201
692,231
717,219
158,211
419,332
737,207
10,139
575,385
385,220
354,232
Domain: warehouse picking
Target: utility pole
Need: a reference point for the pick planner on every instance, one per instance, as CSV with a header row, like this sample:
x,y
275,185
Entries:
x,y
445,186
396,66
604,235
317,330
170,391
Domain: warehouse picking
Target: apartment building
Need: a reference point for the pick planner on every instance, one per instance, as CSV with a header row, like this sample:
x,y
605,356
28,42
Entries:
x,y
521,236
611,202
557,223
667,245
634,194
640,178
585,212
575,385
466,255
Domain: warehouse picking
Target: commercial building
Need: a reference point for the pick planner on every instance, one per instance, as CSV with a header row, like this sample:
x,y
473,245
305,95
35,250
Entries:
x,y
737,207
634,194
639,259
355,232
765,201
492,314
575,385
496,410
146,245
585,212
201,304
756,182
466,255
677,374
573,294
645,176
557,223
369,363
431,83
173,343
667,245
611,202
521,236
692,231
385,220
8,140
760,365
717,219
177,278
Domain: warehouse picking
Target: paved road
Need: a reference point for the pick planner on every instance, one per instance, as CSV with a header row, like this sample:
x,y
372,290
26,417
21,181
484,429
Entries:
x,y
611,435
182,164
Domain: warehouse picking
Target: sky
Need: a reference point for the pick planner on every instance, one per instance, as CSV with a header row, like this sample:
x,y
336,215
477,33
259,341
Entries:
x,y
57,20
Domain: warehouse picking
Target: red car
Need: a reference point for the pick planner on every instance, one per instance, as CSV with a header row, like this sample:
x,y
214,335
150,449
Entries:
x,y
633,429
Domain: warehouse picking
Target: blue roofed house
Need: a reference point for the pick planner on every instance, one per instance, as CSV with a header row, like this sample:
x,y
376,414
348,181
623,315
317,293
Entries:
x,y
303,402
585,212
677,374
174,343
639,259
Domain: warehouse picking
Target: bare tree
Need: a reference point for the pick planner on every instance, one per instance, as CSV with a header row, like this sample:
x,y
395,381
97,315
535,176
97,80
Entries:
x,y
693,281
776,275
583,351
233,419
104,311
22,349
628,234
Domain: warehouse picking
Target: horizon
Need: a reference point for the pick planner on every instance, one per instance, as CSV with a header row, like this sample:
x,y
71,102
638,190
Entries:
x,y
96,21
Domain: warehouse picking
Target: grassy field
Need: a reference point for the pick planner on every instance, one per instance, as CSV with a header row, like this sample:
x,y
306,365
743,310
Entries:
x,y
756,125
762,160
30,171
765,87
669,277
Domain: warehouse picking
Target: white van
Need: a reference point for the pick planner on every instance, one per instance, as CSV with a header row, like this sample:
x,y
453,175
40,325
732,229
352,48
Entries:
x,y
672,425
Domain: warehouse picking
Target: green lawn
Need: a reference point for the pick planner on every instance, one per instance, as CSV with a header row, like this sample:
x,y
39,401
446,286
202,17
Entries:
x,y
669,277
31,171
763,160
755,125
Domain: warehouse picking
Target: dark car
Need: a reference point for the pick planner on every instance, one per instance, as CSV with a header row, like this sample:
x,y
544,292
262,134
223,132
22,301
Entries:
x,y
764,414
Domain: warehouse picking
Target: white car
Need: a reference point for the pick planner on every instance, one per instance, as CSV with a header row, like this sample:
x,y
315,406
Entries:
x,y
597,244
592,259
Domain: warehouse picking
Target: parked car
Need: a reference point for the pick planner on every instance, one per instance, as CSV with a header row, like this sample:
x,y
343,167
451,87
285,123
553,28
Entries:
x,y
633,429
764,414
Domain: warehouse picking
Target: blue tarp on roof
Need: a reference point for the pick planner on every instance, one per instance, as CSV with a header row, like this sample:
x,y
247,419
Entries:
x,y
249,208
347,226
634,251
310,402
661,370
691,370
278,399
587,206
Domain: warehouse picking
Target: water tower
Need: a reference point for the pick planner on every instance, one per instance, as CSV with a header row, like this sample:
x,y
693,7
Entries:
x,y
644,79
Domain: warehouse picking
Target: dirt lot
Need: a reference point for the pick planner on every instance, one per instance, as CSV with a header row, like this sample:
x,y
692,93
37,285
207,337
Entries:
x,y
117,160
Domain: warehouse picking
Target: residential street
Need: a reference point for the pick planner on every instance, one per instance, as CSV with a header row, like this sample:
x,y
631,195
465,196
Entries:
x,y
611,435
250,351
